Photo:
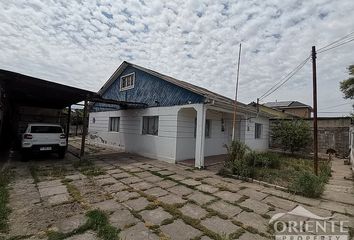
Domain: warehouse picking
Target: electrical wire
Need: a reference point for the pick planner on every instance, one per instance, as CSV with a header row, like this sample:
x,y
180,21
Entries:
x,y
338,45
338,40
285,79
336,106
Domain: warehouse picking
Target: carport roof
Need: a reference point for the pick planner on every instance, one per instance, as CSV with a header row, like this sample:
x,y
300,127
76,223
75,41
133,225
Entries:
x,y
30,91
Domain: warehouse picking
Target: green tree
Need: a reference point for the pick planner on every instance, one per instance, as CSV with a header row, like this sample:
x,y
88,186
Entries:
x,y
347,86
292,135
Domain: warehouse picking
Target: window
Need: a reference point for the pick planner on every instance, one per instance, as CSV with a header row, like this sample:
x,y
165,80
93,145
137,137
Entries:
x,y
114,124
46,129
207,128
127,81
151,125
258,130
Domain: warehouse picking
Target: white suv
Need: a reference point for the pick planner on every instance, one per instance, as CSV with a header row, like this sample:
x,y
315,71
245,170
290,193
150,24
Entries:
x,y
41,137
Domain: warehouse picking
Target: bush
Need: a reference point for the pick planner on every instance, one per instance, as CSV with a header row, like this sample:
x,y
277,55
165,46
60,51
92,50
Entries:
x,y
292,135
264,160
308,185
237,161
325,171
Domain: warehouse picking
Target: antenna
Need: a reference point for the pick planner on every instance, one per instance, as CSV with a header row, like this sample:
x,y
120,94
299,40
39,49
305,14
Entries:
x,y
236,90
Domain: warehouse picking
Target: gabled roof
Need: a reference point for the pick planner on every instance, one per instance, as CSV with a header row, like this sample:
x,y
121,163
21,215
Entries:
x,y
286,104
188,86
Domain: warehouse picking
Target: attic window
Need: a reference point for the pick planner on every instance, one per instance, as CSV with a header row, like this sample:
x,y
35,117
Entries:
x,y
127,81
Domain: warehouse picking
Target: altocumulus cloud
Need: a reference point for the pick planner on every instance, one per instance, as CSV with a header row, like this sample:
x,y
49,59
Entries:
x,y
81,43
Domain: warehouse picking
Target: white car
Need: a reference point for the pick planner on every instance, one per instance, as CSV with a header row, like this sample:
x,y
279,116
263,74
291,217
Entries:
x,y
42,137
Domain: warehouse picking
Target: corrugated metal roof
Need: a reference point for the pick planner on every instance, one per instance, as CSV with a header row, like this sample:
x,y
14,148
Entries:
x,y
285,104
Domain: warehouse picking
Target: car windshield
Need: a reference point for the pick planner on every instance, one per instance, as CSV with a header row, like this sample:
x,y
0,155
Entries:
x,y
46,129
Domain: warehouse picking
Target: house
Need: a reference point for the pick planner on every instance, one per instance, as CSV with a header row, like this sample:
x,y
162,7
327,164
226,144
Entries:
x,y
275,113
291,107
174,121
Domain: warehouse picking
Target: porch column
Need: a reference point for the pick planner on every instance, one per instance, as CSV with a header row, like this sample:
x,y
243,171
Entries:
x,y
200,136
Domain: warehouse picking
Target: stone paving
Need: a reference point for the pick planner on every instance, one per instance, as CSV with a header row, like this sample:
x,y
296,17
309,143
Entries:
x,y
149,199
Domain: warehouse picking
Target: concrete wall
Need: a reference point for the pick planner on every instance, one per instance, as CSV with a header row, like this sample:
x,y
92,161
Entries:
x,y
332,133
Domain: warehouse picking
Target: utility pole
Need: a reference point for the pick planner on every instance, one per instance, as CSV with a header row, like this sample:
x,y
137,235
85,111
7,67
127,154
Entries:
x,y
314,79
236,90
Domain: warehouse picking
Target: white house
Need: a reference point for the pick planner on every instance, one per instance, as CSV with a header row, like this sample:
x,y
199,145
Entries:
x,y
168,119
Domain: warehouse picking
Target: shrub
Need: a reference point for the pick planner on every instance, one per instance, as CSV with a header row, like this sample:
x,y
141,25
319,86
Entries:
x,y
237,160
264,160
325,171
292,135
307,184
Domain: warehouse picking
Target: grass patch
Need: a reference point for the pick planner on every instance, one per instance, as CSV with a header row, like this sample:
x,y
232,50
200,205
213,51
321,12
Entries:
x,y
34,173
289,171
97,221
88,168
5,177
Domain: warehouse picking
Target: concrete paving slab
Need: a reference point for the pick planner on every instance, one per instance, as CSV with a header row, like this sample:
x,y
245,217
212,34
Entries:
x,y
180,190
256,206
191,182
201,198
138,232
130,180
122,218
137,204
155,216
141,185
193,211
108,205
125,195
116,187
178,230
59,199
220,226
50,191
228,196
90,235
171,199
225,208
70,224
156,192
253,220
166,184
207,188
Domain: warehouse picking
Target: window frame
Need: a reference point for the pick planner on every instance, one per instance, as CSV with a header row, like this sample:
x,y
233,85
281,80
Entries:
x,y
122,78
206,131
258,135
150,120
110,128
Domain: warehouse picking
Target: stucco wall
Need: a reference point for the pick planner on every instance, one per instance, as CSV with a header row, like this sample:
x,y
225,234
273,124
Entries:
x,y
262,143
176,140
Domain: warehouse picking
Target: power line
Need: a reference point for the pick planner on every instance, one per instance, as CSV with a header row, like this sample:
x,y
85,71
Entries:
x,y
337,105
338,45
285,79
338,40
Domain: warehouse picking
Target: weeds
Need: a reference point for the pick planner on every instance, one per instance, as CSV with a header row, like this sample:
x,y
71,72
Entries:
x,y
88,168
5,178
97,221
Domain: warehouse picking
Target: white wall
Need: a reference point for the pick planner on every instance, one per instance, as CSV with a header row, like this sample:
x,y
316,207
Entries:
x,y
175,140
130,137
262,143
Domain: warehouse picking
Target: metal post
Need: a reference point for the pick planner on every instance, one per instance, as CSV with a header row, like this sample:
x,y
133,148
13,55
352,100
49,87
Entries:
x,y
315,142
236,90
68,126
84,130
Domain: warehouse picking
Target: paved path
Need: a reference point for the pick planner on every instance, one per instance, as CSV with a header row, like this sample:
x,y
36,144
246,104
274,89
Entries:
x,y
341,185
149,199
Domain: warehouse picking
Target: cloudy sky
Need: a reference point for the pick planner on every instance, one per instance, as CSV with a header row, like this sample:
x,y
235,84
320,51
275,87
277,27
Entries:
x,y
81,43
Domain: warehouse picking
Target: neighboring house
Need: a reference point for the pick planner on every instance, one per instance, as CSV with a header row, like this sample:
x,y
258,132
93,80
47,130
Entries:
x,y
178,121
291,107
275,113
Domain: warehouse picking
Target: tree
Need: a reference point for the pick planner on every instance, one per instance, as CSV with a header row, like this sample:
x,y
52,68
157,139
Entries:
x,y
347,86
292,135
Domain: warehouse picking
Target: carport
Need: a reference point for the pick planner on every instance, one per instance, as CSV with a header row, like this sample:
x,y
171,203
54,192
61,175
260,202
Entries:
x,y
40,96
